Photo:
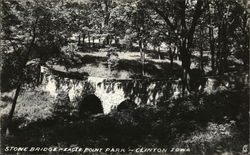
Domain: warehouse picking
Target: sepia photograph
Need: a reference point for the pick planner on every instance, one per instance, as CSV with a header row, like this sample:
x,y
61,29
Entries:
x,y
124,77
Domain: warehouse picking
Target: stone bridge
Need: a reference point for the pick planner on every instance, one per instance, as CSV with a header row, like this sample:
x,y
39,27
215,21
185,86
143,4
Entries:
x,y
113,92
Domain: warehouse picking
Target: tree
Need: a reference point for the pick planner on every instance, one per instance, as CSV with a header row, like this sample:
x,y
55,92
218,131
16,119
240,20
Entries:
x,y
181,18
20,33
228,22
28,24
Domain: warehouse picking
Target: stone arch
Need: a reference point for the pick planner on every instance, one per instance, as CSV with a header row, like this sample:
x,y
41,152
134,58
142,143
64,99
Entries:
x,y
90,105
126,105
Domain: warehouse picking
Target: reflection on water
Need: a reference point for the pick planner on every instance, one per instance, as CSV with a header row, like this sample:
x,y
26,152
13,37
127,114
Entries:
x,y
110,92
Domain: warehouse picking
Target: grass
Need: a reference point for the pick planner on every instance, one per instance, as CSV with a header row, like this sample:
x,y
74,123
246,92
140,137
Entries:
x,y
126,66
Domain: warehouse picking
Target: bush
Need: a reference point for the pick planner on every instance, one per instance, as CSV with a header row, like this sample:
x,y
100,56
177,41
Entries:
x,y
34,105
10,71
69,56
12,68
219,138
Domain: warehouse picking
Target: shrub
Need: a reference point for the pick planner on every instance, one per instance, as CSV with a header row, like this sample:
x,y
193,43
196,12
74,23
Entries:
x,y
10,71
34,105
215,137
69,56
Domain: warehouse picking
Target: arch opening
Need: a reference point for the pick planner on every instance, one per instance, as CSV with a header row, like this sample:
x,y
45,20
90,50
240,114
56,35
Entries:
x,y
90,105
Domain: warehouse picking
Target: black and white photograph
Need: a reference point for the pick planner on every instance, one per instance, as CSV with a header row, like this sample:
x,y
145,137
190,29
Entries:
x,y
124,77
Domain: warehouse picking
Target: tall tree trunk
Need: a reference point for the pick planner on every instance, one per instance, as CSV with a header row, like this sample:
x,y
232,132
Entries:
x,y
184,49
246,45
99,42
107,14
21,76
79,39
142,55
106,40
11,113
201,52
218,54
171,59
212,43
222,53
111,39
83,39
154,48
177,54
201,59
159,52
225,51
186,62
186,34
117,43
212,48
89,40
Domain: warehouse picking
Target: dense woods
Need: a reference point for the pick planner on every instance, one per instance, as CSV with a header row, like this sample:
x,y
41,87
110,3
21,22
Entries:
x,y
189,41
